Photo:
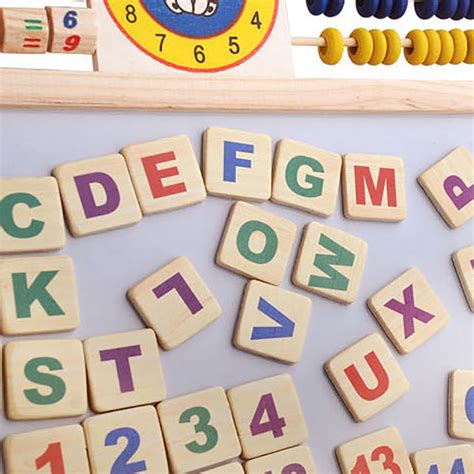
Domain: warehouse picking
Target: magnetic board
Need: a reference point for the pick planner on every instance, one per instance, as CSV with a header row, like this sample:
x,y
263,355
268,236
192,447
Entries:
x,y
32,142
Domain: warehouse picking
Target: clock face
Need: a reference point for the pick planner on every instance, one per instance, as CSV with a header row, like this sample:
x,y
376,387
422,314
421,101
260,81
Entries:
x,y
196,35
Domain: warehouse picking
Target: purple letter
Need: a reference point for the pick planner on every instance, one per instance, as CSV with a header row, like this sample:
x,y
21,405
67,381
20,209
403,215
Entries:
x,y
121,355
91,209
464,197
409,311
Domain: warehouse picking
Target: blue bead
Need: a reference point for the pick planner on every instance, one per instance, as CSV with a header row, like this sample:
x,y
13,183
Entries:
x,y
317,7
426,9
461,11
384,9
447,9
470,11
367,8
399,9
334,8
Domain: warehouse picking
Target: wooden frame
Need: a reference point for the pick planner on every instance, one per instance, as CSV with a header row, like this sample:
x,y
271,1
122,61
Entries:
x,y
96,90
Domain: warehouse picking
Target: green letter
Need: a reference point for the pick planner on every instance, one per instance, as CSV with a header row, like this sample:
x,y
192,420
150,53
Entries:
x,y
57,385
6,216
271,242
292,169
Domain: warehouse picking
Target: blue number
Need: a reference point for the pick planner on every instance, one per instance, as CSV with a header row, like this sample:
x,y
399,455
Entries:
x,y
70,20
469,404
286,328
458,468
121,465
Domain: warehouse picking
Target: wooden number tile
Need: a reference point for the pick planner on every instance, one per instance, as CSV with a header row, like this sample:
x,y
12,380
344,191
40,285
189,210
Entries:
x,y
165,174
375,453
256,243
124,370
55,450
175,302
461,404
373,188
237,164
45,379
232,468
31,215
306,177
72,30
297,460
273,322
464,263
455,459
198,430
330,263
23,30
126,441
38,295
409,311
367,377
268,415
97,194
450,186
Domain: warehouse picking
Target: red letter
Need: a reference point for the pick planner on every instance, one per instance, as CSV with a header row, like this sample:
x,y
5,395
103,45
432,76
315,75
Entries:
x,y
155,176
386,180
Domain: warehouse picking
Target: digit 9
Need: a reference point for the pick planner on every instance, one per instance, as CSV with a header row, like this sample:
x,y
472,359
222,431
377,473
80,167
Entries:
x,y
71,43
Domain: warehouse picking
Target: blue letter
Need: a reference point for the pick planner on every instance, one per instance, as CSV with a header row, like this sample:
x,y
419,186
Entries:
x,y
231,162
286,328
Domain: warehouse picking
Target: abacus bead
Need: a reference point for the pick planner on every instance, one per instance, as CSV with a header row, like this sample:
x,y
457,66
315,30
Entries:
x,y
447,48
362,53
470,47
367,8
394,47
380,47
418,53
427,8
470,11
461,11
399,9
434,47
317,7
384,9
331,53
334,8
460,46
447,8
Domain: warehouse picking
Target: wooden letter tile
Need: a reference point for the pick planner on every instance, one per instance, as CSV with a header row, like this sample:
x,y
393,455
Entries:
x,y
256,243
409,311
375,453
61,449
31,215
464,263
175,302
126,441
330,263
450,186
198,430
232,468
293,460
97,194
124,370
237,164
461,404
374,188
45,379
306,177
273,322
165,174
367,377
456,459
268,415
23,30
38,295
72,30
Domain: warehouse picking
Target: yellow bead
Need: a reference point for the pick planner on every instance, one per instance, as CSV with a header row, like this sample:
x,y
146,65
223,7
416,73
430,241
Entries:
x,y
417,54
331,53
470,47
380,47
434,47
362,53
460,46
447,48
394,47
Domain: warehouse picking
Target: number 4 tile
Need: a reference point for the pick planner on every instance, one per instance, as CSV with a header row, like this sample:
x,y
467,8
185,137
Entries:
x,y
457,459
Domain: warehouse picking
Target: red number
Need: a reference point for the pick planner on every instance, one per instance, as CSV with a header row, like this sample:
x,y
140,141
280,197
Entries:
x,y
274,423
360,466
71,43
388,463
52,456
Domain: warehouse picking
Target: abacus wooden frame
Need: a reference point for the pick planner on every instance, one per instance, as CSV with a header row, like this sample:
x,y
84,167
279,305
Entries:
x,y
20,88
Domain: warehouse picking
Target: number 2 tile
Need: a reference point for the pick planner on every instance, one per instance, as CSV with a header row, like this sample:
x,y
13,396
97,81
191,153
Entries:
x,y
268,415
198,430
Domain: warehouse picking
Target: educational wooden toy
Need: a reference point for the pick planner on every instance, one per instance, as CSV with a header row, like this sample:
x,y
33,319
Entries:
x,y
464,263
165,174
232,468
268,415
31,215
454,459
294,460
273,322
45,379
256,243
374,188
330,263
126,441
450,186
306,177
237,164
38,295
461,404
367,377
124,370
198,430
409,311
97,195
377,452
55,450
175,302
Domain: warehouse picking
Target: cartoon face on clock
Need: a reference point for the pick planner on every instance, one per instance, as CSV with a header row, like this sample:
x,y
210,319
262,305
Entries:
x,y
196,35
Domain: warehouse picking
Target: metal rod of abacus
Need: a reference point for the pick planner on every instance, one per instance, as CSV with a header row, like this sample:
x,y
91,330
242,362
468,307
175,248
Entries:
x,y
348,42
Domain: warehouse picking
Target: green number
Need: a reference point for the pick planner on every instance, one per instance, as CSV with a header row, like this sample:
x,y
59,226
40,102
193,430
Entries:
x,y
202,426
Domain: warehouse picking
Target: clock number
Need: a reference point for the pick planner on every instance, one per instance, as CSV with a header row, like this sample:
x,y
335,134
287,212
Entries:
x,y
199,55
70,20
202,426
131,15
274,423
71,43
361,466
122,464
162,37
256,20
234,46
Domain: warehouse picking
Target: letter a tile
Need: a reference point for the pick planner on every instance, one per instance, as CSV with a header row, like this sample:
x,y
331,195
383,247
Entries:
x,y
367,377
409,311
175,302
